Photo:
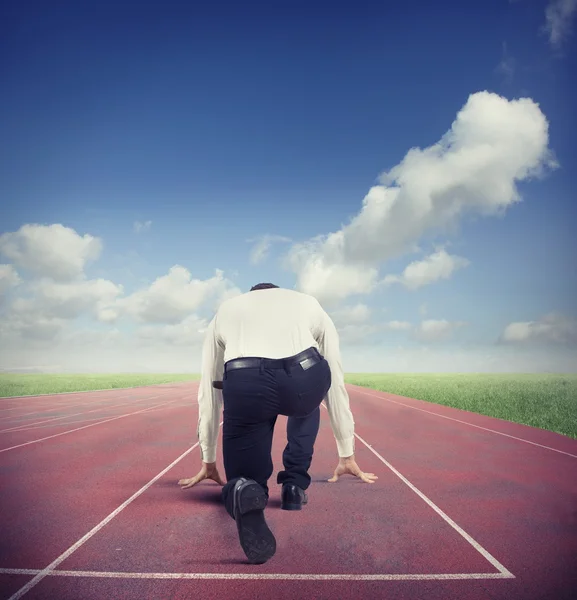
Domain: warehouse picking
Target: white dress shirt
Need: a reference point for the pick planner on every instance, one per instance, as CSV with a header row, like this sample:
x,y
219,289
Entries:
x,y
270,323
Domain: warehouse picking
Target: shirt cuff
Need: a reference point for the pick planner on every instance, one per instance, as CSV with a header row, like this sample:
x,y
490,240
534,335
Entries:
x,y
208,453
346,447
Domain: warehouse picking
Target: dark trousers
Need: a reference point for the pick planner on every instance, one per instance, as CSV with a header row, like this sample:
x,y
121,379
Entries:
x,y
253,398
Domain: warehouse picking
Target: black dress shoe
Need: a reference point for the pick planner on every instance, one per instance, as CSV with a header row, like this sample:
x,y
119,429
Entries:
x,y
256,539
292,497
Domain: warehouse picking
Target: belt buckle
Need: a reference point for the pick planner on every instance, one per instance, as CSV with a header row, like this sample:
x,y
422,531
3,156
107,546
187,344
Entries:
x,y
307,363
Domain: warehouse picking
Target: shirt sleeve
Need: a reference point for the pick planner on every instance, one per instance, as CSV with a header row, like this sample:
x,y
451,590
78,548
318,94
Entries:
x,y
209,398
337,399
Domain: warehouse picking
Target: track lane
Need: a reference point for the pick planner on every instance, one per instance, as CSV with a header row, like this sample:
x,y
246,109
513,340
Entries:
x,y
519,499
55,415
20,439
54,490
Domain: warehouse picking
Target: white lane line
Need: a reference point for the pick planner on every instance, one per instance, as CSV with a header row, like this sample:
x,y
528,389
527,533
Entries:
x,y
64,405
466,423
105,407
43,408
87,426
37,427
152,409
504,572
52,566
274,576
37,407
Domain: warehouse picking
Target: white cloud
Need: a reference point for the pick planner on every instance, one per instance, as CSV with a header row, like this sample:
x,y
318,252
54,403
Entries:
x,y
31,325
492,144
356,324
347,315
171,298
53,251
190,331
71,300
48,306
58,296
229,292
432,330
262,246
435,267
142,227
57,290
330,282
9,278
559,15
552,328
352,323
506,66
398,325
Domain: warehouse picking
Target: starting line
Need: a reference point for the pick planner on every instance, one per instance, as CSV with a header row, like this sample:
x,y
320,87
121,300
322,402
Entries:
x,y
263,576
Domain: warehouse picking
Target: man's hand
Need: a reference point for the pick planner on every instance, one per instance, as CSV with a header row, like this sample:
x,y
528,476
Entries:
x,y
348,466
208,471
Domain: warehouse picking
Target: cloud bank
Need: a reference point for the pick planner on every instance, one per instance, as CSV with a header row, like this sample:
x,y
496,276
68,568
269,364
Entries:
x,y
48,301
473,170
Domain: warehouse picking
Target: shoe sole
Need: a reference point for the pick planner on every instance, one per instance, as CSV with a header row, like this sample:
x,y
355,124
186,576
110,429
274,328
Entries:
x,y
256,539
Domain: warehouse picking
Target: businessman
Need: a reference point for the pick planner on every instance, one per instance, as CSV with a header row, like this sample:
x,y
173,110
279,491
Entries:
x,y
276,351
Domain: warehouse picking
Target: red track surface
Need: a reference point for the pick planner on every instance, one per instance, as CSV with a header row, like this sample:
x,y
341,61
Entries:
x,y
465,507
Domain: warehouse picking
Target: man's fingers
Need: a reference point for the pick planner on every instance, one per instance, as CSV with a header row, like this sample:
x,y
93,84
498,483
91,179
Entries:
x,y
188,483
368,477
185,481
335,476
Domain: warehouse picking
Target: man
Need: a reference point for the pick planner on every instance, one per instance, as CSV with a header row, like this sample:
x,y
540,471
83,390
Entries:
x,y
276,352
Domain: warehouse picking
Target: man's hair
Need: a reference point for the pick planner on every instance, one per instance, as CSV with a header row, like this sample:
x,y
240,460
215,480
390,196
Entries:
x,y
263,286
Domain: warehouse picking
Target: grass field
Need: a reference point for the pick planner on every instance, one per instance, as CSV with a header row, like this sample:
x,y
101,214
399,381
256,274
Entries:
x,y
541,400
548,401
32,384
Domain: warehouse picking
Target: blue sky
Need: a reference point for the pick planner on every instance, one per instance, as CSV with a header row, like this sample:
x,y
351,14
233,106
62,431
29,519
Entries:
x,y
224,123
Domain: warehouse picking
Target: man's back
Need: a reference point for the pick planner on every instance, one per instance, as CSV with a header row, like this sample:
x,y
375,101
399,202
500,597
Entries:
x,y
269,323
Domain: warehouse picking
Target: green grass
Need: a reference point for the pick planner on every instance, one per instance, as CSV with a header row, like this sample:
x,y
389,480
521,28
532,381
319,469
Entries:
x,y
31,384
548,401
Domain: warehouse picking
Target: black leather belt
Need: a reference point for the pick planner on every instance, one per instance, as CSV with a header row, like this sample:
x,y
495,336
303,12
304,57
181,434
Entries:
x,y
306,359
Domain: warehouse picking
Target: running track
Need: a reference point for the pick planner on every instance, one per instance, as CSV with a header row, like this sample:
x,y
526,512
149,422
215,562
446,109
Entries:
x,y
465,507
